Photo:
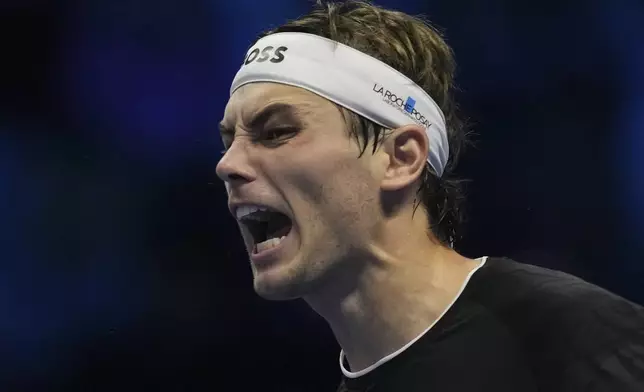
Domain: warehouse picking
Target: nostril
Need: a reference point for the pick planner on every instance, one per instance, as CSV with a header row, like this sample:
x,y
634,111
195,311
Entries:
x,y
234,170
229,174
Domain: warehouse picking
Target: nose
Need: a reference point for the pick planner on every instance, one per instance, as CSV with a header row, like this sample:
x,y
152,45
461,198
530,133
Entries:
x,y
233,167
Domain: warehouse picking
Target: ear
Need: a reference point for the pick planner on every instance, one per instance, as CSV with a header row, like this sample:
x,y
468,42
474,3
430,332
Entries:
x,y
407,148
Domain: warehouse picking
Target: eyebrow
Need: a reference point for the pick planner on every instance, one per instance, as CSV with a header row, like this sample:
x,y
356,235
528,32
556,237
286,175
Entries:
x,y
263,116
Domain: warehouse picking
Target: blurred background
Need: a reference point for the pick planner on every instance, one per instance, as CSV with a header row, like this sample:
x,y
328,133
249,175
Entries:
x,y
120,268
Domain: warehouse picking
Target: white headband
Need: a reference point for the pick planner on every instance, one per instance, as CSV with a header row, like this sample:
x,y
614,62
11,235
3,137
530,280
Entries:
x,y
349,78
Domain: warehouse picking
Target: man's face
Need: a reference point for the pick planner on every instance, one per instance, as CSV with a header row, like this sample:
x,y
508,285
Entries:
x,y
288,151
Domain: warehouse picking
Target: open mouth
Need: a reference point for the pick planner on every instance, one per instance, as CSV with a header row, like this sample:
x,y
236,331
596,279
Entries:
x,y
267,227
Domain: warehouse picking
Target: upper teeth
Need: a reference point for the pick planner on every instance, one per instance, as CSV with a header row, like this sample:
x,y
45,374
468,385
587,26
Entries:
x,y
244,211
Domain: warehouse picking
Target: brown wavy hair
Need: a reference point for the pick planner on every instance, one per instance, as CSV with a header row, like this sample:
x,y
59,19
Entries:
x,y
418,50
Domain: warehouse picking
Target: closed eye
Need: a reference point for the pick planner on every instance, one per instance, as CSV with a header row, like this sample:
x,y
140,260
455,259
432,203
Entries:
x,y
277,134
271,136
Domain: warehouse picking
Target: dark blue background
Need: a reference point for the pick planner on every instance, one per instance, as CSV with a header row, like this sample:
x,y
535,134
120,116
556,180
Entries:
x,y
120,268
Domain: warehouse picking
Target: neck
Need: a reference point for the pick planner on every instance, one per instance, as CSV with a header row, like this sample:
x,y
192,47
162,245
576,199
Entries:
x,y
404,287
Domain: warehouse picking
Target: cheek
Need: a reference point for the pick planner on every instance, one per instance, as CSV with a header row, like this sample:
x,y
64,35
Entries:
x,y
336,194
325,181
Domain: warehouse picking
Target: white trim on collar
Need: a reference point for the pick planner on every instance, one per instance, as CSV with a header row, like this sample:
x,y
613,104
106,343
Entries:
x,y
389,357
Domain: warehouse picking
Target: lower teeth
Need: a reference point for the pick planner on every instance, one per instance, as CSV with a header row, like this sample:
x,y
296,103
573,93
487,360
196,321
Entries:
x,y
268,244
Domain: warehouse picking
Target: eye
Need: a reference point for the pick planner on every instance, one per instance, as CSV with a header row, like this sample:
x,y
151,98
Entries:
x,y
277,134
226,145
226,141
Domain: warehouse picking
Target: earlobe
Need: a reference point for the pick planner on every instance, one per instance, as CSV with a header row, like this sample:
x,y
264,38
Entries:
x,y
407,148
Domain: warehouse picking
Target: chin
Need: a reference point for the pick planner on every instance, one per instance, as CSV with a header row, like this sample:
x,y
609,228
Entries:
x,y
280,283
275,291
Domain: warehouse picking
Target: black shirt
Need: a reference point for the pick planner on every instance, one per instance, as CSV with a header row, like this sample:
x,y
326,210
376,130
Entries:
x,y
518,327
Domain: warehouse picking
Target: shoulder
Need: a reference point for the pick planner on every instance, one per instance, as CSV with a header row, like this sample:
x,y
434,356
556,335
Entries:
x,y
571,330
535,296
505,283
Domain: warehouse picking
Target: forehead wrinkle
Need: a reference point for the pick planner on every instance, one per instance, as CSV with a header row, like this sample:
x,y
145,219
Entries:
x,y
298,112
299,108
306,106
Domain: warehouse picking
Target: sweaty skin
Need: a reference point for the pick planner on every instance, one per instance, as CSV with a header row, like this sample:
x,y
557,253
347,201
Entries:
x,y
357,252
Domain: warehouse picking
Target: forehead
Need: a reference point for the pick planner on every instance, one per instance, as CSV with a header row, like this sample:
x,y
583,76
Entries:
x,y
251,98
